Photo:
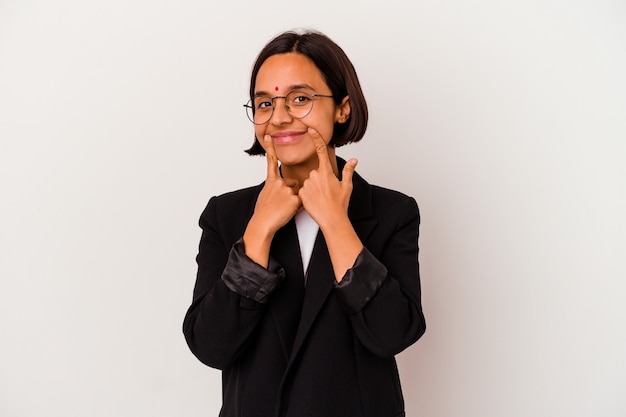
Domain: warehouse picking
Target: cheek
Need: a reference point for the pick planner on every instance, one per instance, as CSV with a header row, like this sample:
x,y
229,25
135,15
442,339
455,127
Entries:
x,y
259,131
326,130
324,124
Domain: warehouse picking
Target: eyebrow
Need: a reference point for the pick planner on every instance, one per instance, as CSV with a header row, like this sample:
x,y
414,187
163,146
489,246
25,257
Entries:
x,y
290,89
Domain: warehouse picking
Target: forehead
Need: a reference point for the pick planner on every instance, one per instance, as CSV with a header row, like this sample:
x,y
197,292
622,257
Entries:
x,y
283,71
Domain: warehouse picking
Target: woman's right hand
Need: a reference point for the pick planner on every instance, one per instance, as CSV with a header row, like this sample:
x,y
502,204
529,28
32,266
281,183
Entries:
x,y
277,203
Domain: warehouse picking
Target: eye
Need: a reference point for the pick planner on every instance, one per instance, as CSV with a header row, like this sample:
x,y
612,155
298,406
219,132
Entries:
x,y
262,103
299,99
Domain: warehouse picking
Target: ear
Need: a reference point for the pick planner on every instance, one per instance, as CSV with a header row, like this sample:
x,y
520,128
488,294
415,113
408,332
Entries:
x,y
342,112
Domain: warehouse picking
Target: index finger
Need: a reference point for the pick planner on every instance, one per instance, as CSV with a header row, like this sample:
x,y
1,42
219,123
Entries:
x,y
321,149
272,160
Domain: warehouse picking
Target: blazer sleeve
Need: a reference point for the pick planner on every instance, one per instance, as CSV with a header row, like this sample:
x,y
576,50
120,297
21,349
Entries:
x,y
382,295
229,296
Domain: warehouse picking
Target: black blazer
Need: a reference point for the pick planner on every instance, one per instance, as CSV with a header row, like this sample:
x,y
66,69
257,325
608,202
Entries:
x,y
321,349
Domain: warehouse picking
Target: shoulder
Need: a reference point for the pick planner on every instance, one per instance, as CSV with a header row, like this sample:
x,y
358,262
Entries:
x,y
387,195
235,206
388,201
238,197
382,199
390,207
378,199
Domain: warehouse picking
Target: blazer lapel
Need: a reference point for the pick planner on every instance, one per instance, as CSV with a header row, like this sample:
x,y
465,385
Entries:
x,y
321,277
286,303
360,209
319,284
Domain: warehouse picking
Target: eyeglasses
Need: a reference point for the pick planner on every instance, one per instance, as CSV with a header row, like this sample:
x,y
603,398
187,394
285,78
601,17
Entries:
x,y
297,103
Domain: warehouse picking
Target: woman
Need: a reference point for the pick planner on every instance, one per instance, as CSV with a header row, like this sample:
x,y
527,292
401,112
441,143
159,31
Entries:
x,y
308,283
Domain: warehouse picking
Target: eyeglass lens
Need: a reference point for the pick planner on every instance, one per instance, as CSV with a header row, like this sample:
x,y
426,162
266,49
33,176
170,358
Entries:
x,y
297,103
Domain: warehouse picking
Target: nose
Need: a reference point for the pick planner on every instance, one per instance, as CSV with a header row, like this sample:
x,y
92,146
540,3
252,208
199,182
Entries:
x,y
280,114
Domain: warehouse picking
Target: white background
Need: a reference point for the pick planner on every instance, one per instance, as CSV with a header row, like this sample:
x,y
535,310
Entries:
x,y
506,120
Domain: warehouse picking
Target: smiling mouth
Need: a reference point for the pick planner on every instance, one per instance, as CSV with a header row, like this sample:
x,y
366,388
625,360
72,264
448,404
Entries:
x,y
283,138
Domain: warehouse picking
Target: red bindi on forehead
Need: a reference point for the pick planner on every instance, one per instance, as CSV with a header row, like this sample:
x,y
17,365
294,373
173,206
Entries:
x,y
276,88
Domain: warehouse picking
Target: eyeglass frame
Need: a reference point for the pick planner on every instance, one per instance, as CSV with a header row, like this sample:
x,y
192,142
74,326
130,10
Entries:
x,y
249,105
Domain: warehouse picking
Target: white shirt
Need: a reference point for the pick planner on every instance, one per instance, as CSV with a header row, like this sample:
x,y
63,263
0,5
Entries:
x,y
307,232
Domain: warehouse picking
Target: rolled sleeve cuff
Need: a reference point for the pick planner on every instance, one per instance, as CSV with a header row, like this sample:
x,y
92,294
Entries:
x,y
361,282
247,278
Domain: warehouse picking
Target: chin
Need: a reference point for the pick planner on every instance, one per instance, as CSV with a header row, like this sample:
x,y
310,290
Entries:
x,y
291,160
293,157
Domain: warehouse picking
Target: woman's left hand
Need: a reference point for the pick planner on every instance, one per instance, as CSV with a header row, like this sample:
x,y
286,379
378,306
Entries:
x,y
323,196
326,199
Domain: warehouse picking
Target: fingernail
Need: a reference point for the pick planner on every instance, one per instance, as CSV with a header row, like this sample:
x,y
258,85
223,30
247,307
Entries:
x,y
312,131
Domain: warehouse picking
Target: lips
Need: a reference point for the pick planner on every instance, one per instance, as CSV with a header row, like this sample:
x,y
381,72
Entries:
x,y
287,136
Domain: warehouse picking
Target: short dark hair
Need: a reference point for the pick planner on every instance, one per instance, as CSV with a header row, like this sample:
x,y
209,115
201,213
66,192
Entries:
x,y
338,72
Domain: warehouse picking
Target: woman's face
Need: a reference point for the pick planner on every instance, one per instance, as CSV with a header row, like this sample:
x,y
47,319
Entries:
x,y
279,75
